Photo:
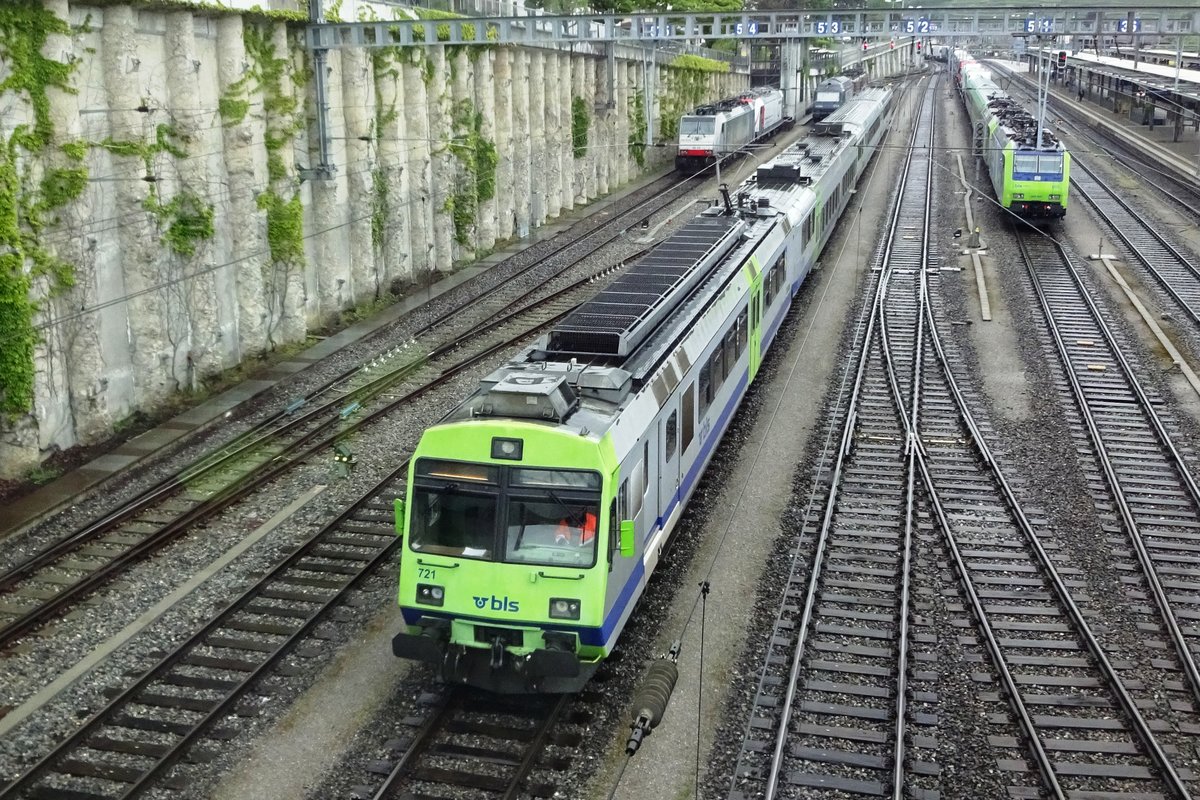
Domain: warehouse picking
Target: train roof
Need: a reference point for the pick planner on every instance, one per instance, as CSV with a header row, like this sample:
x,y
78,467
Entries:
x,y
618,320
1019,125
856,111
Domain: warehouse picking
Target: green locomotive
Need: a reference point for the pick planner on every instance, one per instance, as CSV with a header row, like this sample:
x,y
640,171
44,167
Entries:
x,y
1030,181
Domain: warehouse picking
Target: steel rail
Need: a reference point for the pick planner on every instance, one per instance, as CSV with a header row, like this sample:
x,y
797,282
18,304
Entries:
x,y
1150,742
835,481
441,718
1190,307
130,694
1184,474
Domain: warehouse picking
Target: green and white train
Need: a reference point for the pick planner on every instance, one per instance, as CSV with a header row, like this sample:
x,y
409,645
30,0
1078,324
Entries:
x,y
1030,181
537,510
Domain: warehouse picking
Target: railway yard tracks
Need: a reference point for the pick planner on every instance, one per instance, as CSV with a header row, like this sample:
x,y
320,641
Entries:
x,y
158,720
846,705
57,577
493,745
1174,270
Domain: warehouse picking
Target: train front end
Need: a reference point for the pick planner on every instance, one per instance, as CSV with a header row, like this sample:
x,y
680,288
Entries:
x,y
1037,182
506,554
698,142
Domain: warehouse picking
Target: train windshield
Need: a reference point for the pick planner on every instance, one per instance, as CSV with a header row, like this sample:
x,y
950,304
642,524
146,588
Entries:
x,y
696,126
828,97
454,509
1026,165
514,514
552,517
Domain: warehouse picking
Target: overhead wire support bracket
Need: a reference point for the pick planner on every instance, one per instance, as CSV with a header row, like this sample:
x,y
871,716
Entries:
x,y
324,169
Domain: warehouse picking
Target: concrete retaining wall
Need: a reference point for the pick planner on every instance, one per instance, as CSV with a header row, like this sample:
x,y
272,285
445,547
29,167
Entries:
x,y
181,115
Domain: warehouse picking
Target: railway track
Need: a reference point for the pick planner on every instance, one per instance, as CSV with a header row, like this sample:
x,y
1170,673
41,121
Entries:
x,y
53,580
1066,724
832,708
494,746
1175,271
161,718
1137,469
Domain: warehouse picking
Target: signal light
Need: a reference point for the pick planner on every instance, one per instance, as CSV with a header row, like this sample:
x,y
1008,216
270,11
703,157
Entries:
x,y
918,45
1062,58
892,44
864,45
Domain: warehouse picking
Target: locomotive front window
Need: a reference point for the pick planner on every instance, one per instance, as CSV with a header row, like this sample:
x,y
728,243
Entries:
x,y
1025,163
552,517
552,529
454,520
828,97
696,126
1052,165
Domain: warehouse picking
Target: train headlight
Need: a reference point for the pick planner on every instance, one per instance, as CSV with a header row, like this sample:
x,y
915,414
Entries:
x,y
507,448
1018,195
430,595
1055,197
564,608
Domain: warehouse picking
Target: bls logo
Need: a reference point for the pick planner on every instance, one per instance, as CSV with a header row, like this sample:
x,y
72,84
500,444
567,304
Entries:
x,y
497,603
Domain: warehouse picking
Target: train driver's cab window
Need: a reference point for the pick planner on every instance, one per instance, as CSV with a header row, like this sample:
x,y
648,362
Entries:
x,y
552,517
1025,164
1050,165
454,508
696,126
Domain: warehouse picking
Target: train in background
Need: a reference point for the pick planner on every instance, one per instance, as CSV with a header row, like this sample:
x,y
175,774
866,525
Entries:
x,y
537,510
1029,181
832,93
725,128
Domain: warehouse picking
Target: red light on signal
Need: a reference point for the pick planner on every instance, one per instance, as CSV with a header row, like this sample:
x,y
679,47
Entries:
x,y
918,45
864,47
892,44
1062,58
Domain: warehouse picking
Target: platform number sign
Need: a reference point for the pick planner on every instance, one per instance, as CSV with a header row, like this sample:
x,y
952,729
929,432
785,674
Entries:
x,y
829,27
916,25
747,29
1044,25
1123,26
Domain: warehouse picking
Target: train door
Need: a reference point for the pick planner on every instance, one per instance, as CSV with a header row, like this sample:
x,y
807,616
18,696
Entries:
x,y
669,459
756,309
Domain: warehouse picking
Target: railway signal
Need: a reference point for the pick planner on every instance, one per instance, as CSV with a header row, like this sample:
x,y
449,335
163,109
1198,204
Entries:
x,y
1062,58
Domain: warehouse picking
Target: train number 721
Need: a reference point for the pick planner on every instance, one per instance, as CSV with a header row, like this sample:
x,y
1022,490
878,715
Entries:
x,y
425,572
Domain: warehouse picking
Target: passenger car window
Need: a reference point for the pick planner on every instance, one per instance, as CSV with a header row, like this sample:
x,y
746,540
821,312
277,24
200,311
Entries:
x,y
671,433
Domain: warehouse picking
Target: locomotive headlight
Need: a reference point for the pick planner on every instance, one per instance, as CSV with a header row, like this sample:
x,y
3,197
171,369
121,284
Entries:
x,y
564,608
507,448
1018,195
430,595
1055,197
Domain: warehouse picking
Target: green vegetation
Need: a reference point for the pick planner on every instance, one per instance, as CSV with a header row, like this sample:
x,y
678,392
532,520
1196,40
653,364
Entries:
x,y
186,218
442,32
637,127
267,73
580,120
477,158
27,200
699,63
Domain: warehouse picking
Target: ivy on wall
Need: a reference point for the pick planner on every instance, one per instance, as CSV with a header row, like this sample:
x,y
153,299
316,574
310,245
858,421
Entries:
x,y
637,127
580,120
478,159
29,194
185,219
266,75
